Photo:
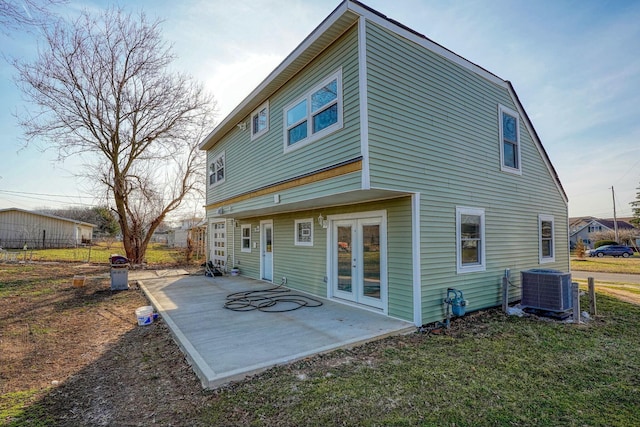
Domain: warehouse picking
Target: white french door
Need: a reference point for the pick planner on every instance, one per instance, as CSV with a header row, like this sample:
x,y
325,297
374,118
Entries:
x,y
358,259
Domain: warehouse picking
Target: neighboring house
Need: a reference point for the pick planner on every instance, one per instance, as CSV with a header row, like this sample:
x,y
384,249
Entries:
x,y
19,227
194,229
377,168
583,228
177,238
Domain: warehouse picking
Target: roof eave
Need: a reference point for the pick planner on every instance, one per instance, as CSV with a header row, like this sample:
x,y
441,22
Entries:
x,y
339,21
537,141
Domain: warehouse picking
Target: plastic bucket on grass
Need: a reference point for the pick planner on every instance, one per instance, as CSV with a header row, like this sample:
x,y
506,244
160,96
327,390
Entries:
x,y
144,315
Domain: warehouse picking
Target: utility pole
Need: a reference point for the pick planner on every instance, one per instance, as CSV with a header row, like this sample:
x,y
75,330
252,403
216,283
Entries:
x,y
615,219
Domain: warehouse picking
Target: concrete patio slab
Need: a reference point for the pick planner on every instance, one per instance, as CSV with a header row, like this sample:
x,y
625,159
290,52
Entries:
x,y
224,345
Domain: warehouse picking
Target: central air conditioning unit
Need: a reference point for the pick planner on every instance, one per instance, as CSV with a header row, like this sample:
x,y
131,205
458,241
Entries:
x,y
546,290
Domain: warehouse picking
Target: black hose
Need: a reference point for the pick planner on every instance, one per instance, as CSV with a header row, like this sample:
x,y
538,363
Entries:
x,y
267,300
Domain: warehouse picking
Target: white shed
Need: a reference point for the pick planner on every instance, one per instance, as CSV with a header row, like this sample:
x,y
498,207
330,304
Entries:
x,y
19,227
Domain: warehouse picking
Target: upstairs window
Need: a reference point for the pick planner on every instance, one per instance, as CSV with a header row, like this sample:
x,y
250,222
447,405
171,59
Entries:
x,y
317,113
260,121
546,229
216,170
470,240
509,140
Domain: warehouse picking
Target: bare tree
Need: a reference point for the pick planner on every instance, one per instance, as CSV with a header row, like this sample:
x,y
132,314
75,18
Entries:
x,y
15,14
626,237
635,208
102,88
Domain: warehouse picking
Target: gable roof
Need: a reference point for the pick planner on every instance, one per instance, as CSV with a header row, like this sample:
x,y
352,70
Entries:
x,y
579,224
337,23
73,221
609,223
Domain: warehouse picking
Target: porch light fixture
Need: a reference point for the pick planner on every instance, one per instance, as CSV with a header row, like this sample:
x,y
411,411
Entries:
x,y
322,222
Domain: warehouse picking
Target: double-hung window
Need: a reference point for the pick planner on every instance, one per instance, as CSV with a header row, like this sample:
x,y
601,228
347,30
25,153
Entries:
x,y
470,239
546,230
316,114
509,140
260,121
246,237
217,170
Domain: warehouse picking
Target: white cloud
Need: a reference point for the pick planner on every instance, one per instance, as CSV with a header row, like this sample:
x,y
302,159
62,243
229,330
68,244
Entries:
x,y
233,81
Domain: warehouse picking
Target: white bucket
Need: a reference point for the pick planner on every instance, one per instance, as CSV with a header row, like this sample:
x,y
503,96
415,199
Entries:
x,y
144,315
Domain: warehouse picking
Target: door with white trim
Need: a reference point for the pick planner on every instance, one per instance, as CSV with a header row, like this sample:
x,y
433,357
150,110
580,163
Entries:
x,y
266,250
218,239
358,260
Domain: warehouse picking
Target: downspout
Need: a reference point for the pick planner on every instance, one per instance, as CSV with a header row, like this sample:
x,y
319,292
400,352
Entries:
x,y
233,243
417,268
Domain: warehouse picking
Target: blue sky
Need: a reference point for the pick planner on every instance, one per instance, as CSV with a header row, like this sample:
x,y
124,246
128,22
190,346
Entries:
x,y
574,64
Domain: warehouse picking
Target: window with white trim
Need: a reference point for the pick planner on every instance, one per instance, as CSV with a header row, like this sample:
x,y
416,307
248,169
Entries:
x,y
509,140
245,236
470,239
316,114
260,121
217,170
546,229
304,232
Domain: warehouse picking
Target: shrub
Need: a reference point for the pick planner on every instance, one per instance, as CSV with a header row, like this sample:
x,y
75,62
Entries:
x,y
580,249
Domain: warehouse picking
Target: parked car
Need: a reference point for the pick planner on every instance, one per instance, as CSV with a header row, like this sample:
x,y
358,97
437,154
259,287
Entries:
x,y
613,250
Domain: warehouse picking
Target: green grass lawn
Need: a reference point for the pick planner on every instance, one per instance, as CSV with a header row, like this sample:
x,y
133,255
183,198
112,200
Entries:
x,y
608,264
100,253
491,371
488,370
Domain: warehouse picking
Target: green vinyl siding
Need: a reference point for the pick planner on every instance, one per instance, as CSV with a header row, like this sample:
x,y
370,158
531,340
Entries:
x,y
433,128
248,262
254,164
322,188
305,267
399,257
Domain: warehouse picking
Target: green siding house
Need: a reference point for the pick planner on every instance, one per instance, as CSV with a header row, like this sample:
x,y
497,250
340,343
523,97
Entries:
x,y
377,168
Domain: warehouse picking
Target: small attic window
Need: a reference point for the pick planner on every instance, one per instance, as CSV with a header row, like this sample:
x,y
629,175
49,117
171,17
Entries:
x,y
509,140
260,121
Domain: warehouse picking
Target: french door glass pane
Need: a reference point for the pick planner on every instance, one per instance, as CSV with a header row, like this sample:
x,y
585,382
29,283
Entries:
x,y
344,258
371,260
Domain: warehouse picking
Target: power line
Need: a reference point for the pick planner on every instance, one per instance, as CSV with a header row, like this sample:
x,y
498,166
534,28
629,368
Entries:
x,y
44,194
43,198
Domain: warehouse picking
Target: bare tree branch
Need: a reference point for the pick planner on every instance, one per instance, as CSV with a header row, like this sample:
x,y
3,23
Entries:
x,y
101,88
16,14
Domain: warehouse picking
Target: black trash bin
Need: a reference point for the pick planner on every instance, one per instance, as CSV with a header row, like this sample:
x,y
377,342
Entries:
x,y
119,272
